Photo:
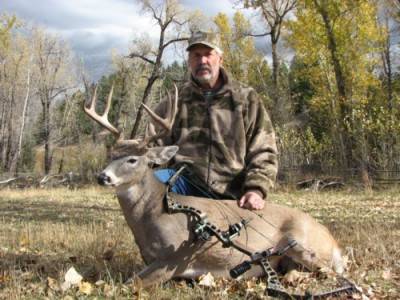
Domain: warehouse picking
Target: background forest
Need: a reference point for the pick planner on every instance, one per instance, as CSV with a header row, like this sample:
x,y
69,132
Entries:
x,y
329,78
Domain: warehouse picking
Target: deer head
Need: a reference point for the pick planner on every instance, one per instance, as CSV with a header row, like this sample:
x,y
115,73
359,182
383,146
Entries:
x,y
130,168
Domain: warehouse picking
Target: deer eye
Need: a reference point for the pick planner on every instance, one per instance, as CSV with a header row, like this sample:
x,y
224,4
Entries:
x,y
131,160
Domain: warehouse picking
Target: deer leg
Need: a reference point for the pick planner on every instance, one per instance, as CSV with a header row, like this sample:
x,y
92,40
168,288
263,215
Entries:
x,y
299,254
157,272
314,258
164,269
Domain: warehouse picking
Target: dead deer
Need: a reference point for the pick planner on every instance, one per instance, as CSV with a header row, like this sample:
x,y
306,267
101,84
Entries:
x,y
167,242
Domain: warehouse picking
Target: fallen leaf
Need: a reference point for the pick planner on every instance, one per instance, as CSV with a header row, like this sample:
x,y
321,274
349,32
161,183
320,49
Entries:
x,y
52,284
295,277
100,283
262,285
250,285
24,242
292,277
370,292
207,280
85,288
4,278
386,274
72,277
108,290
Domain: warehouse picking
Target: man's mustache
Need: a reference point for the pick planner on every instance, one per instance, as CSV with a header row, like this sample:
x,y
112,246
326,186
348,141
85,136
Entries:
x,y
203,68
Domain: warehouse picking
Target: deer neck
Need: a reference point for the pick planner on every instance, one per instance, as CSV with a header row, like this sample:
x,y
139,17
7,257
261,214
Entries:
x,y
141,199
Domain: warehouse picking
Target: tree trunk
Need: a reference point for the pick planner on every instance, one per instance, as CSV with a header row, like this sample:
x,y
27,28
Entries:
x,y
47,146
61,165
2,133
10,129
275,70
344,110
278,110
14,166
154,76
146,94
387,67
355,153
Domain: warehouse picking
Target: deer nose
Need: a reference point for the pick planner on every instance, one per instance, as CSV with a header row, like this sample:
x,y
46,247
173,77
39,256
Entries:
x,y
103,179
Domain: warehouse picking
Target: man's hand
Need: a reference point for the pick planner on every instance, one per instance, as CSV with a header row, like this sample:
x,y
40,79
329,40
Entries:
x,y
251,200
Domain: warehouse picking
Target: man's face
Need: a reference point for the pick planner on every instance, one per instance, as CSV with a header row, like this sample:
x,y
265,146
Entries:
x,y
204,64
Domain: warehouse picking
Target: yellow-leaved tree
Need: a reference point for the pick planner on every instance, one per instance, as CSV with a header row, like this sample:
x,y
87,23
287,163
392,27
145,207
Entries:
x,y
338,41
241,58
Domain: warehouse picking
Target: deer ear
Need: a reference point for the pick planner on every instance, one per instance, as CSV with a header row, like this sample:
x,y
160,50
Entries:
x,y
161,155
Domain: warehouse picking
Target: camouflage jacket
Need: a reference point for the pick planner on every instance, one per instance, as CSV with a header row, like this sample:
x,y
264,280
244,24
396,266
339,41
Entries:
x,y
226,138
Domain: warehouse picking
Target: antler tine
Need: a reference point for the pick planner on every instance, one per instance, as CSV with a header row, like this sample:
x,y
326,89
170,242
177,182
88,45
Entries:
x,y
92,103
108,104
102,119
165,123
172,108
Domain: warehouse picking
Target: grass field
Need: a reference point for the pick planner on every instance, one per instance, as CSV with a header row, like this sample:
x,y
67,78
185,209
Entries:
x,y
43,233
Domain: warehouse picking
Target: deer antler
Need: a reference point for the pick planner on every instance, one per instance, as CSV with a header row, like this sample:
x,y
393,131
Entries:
x,y
103,119
165,123
171,112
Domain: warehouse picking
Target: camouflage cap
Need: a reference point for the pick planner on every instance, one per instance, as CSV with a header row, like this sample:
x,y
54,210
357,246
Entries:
x,y
209,39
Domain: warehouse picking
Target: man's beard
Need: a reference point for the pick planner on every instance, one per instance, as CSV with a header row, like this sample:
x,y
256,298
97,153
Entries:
x,y
205,78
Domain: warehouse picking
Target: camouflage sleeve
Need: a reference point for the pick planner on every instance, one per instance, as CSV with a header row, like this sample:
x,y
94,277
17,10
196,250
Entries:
x,y
261,156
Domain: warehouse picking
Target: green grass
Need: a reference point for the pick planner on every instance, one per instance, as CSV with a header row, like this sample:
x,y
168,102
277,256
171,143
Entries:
x,y
43,233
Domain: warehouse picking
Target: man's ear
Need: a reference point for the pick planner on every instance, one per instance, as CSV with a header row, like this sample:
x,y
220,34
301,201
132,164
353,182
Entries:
x,y
161,155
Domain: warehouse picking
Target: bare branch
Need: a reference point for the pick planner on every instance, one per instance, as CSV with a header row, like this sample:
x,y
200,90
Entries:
x,y
257,35
154,12
6,181
184,22
166,16
136,55
59,91
174,41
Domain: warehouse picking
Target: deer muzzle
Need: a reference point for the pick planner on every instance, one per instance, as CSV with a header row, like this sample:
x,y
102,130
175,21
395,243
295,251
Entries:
x,y
103,179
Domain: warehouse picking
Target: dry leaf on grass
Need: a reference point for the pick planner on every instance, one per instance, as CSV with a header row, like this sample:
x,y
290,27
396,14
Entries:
x,y
72,277
85,288
24,242
207,280
250,285
387,274
100,283
53,284
4,278
295,277
108,290
359,297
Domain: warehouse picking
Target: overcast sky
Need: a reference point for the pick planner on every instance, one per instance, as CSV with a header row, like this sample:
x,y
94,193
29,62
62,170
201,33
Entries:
x,y
94,27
